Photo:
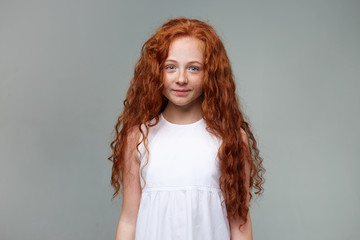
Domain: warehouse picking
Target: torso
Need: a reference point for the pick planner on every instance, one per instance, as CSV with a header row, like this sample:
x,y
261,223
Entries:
x,y
181,198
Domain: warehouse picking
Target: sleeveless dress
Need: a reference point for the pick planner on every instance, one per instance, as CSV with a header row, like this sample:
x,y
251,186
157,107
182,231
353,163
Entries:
x,y
181,199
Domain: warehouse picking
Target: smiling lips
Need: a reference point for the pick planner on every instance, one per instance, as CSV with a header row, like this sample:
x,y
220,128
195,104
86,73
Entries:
x,y
181,92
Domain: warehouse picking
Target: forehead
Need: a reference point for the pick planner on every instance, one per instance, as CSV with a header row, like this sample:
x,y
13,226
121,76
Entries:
x,y
186,47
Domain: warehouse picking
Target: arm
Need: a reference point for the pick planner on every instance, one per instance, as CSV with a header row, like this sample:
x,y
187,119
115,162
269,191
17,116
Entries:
x,y
245,232
131,190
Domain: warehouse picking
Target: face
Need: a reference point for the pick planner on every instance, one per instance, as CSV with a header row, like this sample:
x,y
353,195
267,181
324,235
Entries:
x,y
183,73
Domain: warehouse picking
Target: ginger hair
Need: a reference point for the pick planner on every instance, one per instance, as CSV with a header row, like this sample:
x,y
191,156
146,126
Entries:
x,y
220,110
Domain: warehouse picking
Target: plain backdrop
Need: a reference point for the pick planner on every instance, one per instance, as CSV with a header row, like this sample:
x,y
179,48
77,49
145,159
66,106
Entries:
x,y
65,67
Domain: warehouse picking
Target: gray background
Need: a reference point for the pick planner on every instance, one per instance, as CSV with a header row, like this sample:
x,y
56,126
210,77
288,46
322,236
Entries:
x,y
65,67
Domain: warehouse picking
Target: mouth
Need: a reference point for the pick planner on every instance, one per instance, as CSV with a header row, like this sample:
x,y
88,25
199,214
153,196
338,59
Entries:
x,y
181,92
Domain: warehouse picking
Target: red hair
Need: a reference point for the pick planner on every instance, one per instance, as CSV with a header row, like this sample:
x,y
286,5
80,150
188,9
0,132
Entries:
x,y
220,110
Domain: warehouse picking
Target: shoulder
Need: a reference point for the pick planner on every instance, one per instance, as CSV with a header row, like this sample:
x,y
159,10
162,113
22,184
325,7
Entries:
x,y
136,133
244,136
133,135
131,142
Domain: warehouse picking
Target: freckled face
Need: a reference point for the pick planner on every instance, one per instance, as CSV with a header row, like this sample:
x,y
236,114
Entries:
x,y
183,73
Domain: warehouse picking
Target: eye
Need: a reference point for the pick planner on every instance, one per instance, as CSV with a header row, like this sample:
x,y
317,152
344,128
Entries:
x,y
170,67
194,68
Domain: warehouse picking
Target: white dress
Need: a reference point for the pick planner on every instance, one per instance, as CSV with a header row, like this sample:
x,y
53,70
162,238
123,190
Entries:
x,y
181,198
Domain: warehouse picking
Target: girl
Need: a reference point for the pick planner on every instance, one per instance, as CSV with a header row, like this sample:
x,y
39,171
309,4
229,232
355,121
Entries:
x,y
182,150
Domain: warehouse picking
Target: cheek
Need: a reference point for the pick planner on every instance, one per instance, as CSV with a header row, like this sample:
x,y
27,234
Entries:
x,y
167,80
199,83
199,88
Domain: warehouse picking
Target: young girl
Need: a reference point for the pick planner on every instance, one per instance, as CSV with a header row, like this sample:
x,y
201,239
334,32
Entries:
x,y
182,148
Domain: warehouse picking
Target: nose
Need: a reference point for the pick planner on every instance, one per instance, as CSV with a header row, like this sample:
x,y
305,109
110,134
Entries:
x,y
182,78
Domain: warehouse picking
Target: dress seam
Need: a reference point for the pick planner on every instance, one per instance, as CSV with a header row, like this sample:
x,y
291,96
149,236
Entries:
x,y
179,188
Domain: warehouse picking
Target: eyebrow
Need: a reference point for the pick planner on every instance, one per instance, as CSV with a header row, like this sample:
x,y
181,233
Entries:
x,y
194,61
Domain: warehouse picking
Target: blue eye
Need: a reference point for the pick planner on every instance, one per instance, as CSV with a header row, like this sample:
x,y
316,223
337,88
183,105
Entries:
x,y
170,67
194,69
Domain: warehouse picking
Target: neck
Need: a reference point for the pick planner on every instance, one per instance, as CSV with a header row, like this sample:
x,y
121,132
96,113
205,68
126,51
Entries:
x,y
180,115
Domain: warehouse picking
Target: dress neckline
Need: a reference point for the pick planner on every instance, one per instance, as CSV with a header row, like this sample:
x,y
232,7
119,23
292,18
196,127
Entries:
x,y
181,125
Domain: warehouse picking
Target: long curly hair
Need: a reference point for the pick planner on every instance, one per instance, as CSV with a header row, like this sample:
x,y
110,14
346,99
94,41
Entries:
x,y
220,110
